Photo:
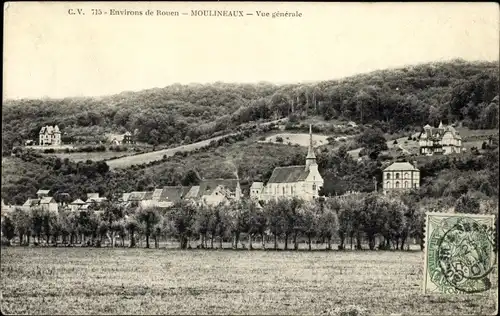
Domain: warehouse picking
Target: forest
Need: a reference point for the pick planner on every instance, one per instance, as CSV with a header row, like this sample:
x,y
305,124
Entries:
x,y
393,99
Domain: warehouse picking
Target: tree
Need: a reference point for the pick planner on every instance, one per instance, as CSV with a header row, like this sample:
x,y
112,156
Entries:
x,y
467,204
202,223
349,223
148,217
257,223
328,223
132,226
309,220
291,222
8,228
37,222
181,218
373,139
239,219
22,223
274,219
112,216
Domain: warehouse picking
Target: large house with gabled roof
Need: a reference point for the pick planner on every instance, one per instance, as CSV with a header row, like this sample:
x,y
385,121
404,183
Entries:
x,y
302,181
50,136
443,140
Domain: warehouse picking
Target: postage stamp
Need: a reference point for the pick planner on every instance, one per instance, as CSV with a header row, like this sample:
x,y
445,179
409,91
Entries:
x,y
460,253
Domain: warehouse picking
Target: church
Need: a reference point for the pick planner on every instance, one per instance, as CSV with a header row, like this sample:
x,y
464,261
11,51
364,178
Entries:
x,y
303,181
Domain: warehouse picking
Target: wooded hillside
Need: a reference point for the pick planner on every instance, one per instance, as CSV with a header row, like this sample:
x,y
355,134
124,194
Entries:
x,y
393,99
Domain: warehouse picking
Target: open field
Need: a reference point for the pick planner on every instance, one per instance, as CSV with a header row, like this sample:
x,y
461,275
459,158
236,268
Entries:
x,y
151,281
301,139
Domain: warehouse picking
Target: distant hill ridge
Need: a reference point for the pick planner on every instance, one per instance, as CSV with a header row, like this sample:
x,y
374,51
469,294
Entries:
x,y
393,98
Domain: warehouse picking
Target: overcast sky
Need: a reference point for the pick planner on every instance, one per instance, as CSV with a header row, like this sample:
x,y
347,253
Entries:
x,y
49,53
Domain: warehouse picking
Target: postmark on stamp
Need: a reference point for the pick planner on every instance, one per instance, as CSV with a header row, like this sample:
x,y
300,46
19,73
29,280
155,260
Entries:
x,y
459,253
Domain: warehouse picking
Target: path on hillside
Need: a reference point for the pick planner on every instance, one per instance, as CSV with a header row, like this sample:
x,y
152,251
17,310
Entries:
x,y
128,161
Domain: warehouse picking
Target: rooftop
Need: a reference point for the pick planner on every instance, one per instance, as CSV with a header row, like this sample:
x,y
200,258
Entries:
x,y
401,166
288,174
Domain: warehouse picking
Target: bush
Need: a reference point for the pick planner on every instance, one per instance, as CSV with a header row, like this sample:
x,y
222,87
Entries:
x,y
395,142
5,242
262,138
279,139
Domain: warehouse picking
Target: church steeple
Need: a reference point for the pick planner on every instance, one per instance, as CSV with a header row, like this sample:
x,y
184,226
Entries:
x,y
311,157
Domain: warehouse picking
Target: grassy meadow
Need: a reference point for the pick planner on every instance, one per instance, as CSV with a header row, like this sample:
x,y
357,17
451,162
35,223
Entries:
x,y
150,281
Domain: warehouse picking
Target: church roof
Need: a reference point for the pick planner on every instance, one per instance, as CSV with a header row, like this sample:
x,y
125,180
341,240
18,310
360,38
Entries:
x,y
208,186
288,174
401,166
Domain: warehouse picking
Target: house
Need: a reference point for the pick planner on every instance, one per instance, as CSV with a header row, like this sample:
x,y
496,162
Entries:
x,y
30,203
50,136
94,198
217,191
48,203
77,205
302,181
443,140
127,138
256,190
122,139
400,176
209,192
42,193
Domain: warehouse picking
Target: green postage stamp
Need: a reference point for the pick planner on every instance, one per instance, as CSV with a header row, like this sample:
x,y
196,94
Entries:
x,y
460,253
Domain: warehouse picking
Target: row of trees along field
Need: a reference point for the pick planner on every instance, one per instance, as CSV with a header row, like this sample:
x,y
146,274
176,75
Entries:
x,y
396,99
369,221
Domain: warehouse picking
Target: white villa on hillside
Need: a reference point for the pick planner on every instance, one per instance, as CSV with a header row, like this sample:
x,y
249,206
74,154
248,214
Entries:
x,y
441,140
50,136
303,181
400,176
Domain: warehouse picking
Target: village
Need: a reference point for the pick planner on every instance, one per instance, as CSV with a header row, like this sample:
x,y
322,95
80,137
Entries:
x,y
302,181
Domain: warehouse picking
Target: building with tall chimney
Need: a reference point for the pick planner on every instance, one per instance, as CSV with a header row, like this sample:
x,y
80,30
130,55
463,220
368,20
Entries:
x,y
302,181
